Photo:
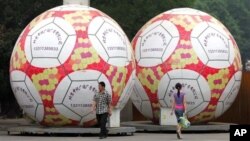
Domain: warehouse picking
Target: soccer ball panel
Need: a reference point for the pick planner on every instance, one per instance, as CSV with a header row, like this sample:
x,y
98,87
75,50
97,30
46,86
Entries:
x,y
157,42
26,94
196,110
186,11
212,40
65,26
162,89
40,25
79,97
170,28
109,41
156,37
201,53
238,76
17,76
191,86
67,112
61,90
28,50
148,62
67,48
170,49
183,73
33,91
138,49
229,94
204,87
40,112
219,109
47,40
217,41
126,92
95,25
218,63
55,38
24,98
140,100
45,62
75,93
150,28
88,117
100,47
85,75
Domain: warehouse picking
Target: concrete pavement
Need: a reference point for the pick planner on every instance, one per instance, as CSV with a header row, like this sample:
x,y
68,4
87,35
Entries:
x,y
139,136
135,137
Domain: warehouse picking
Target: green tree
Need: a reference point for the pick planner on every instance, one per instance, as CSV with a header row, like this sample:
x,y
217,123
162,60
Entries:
x,y
14,16
133,14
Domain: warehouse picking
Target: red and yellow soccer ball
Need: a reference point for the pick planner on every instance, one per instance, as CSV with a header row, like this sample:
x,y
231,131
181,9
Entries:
x,y
191,47
59,59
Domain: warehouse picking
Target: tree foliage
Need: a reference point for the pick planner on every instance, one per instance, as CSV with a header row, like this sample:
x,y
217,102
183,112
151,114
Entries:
x,y
133,14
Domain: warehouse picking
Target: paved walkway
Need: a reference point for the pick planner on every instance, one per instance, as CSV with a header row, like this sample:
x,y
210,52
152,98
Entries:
x,y
135,137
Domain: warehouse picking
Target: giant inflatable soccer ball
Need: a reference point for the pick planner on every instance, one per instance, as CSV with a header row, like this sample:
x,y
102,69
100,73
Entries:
x,y
191,47
59,59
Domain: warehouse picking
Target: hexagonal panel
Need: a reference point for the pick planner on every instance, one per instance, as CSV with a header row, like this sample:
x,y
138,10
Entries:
x,y
156,43
109,41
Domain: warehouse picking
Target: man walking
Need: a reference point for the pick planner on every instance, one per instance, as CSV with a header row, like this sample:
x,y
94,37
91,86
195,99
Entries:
x,y
102,106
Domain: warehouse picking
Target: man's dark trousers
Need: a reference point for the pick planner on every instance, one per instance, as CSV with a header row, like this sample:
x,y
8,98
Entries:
x,y
102,120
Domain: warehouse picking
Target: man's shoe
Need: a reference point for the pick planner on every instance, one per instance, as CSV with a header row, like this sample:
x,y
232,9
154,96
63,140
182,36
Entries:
x,y
106,135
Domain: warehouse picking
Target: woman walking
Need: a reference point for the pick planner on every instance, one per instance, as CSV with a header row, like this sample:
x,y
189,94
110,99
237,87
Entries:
x,y
179,106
